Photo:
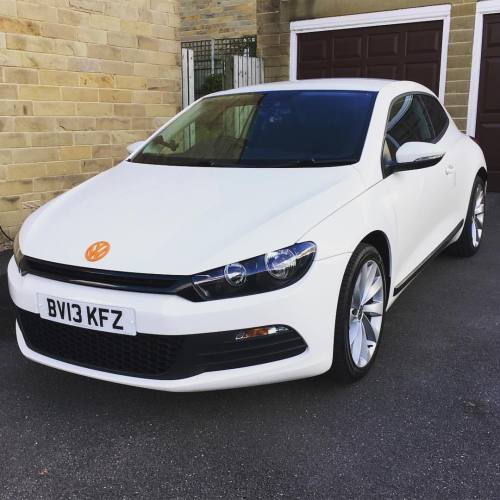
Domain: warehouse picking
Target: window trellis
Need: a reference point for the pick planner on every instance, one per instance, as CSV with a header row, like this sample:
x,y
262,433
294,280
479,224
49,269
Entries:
x,y
212,62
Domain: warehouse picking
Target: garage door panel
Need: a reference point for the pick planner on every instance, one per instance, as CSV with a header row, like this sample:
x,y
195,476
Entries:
x,y
380,71
488,106
491,97
347,47
346,72
383,44
314,72
489,134
425,73
493,35
423,42
393,51
313,50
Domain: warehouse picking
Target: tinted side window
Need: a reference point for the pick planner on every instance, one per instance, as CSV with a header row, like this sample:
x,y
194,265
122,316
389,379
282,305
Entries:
x,y
408,122
437,115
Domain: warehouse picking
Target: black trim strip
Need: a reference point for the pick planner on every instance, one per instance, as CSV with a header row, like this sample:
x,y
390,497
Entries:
x,y
114,280
399,288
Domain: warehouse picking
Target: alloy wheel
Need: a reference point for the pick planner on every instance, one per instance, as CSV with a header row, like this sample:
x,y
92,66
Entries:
x,y
478,216
367,309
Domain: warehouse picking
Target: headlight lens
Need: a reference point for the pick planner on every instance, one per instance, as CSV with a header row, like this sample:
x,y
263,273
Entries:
x,y
281,264
17,251
264,273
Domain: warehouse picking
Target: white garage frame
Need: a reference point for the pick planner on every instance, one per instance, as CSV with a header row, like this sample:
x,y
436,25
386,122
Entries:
x,y
482,8
400,16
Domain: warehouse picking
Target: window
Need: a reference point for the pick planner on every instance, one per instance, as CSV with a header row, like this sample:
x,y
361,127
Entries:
x,y
408,122
413,118
296,128
437,115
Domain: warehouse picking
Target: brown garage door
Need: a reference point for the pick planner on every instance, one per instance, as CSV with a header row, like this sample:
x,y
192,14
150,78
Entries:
x,y
488,105
401,51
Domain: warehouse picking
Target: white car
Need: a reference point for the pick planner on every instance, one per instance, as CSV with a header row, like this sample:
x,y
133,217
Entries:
x,y
259,236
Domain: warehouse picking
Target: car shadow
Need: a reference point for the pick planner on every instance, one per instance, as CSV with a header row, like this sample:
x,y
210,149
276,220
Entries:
x,y
7,314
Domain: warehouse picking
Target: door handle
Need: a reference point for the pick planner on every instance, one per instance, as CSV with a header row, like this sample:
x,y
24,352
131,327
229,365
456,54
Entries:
x,y
450,169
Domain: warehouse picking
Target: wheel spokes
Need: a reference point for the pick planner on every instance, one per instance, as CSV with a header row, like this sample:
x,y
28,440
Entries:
x,y
364,355
479,199
355,340
478,217
372,290
474,233
369,330
356,296
373,309
367,309
354,331
361,282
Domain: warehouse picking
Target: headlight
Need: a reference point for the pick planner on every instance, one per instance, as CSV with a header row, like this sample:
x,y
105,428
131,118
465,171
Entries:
x,y
264,273
17,251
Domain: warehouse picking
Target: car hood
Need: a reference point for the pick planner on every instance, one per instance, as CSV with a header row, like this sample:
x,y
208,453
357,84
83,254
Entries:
x,y
183,220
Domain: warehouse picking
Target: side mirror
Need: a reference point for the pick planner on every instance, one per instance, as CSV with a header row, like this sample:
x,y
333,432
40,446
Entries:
x,y
131,148
416,155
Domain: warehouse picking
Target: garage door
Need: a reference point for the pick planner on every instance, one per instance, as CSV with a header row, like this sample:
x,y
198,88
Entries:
x,y
402,51
488,105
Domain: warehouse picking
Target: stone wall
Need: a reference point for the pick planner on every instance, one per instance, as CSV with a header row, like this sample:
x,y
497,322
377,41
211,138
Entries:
x,y
205,19
274,16
79,80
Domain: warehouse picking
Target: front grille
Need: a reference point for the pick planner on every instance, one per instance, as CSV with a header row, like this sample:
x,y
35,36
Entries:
x,y
116,280
153,356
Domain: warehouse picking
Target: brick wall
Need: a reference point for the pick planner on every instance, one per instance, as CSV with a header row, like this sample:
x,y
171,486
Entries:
x,y
273,37
205,19
79,80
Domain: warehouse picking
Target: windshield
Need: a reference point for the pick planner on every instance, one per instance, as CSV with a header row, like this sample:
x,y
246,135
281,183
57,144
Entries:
x,y
296,128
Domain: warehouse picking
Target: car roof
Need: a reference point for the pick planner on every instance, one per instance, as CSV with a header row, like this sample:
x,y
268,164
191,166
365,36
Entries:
x,y
363,84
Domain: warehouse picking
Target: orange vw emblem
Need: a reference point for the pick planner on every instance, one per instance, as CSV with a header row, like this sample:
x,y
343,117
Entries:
x,y
97,251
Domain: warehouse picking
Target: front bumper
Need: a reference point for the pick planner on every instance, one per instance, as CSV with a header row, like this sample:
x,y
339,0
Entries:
x,y
308,307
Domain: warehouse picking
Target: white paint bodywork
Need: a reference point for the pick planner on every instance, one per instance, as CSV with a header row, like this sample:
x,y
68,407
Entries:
x,y
416,151
185,220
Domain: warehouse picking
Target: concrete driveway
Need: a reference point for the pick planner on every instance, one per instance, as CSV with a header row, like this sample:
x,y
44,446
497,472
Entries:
x,y
425,423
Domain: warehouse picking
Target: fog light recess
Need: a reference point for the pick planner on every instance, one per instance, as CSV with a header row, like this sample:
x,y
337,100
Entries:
x,y
261,331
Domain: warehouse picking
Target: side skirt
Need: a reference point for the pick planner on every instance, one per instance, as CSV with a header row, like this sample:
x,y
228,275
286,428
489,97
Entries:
x,y
401,286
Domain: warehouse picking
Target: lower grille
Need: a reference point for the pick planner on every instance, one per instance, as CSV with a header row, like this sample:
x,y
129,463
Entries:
x,y
153,356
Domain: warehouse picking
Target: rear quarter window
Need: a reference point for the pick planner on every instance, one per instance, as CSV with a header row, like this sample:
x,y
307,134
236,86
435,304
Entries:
x,y
413,117
437,115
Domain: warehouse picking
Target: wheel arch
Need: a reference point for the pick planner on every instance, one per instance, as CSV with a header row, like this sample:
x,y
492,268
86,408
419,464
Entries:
x,y
380,241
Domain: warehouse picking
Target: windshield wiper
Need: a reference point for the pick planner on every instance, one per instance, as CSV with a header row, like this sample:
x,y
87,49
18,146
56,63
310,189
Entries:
x,y
214,163
313,163
155,159
292,164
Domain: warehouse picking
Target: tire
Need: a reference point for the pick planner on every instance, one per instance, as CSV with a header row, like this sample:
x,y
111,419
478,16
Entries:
x,y
472,233
349,363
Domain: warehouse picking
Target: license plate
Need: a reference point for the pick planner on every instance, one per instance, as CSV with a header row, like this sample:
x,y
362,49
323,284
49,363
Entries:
x,y
85,315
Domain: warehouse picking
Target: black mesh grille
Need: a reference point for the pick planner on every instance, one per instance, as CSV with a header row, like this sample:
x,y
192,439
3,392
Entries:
x,y
153,356
142,355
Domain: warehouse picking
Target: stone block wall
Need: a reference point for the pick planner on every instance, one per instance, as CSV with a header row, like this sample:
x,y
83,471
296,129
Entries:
x,y
206,19
79,80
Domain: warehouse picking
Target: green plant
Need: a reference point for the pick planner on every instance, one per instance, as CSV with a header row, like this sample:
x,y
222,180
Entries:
x,y
212,83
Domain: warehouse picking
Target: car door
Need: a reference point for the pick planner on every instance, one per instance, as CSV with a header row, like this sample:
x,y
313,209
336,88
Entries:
x,y
420,198
449,142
